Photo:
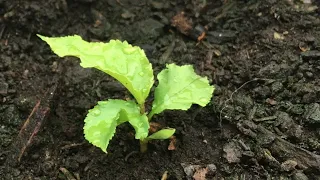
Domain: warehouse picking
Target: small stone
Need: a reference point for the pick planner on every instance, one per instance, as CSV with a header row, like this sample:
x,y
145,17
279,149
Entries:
x,y
276,87
3,88
312,113
309,74
299,176
189,169
197,171
284,120
232,152
212,168
295,131
157,4
127,15
288,165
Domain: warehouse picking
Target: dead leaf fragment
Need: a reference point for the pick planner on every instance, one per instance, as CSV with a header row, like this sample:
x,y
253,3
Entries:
x,y
182,23
154,127
200,174
232,152
172,145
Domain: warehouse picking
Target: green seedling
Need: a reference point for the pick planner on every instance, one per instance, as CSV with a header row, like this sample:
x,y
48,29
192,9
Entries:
x,y
179,87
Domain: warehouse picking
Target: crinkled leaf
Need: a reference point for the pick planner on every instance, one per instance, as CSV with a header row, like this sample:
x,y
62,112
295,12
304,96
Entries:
x,y
162,134
101,121
180,87
126,63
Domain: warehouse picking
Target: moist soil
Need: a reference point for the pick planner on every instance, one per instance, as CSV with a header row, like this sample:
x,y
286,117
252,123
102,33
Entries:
x,y
263,57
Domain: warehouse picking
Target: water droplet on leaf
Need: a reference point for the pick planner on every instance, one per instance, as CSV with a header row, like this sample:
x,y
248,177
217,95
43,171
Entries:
x,y
141,73
97,133
97,141
129,50
96,112
204,100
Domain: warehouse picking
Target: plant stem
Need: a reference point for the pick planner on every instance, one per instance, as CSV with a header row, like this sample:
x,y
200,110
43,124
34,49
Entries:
x,y
142,108
150,116
143,146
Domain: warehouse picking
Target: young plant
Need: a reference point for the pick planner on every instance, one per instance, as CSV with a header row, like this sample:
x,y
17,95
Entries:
x,y
179,87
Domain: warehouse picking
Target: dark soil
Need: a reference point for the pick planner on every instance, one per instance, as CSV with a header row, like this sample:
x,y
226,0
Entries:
x,y
263,57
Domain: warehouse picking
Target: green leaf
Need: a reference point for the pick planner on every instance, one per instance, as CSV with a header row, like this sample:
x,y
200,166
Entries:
x,y
180,87
141,126
162,134
101,121
126,63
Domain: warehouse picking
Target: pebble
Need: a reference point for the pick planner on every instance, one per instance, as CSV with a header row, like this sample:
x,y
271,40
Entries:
x,y
309,74
276,87
312,114
289,165
157,4
190,169
284,120
232,152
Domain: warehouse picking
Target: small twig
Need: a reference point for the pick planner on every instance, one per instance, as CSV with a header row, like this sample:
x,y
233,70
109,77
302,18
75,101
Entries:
x,y
68,146
231,97
2,31
88,166
269,118
67,174
129,155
